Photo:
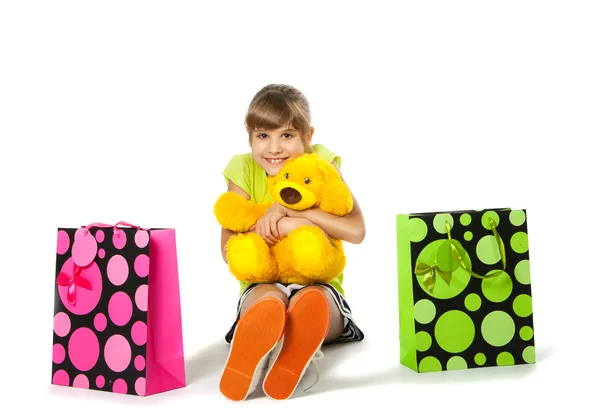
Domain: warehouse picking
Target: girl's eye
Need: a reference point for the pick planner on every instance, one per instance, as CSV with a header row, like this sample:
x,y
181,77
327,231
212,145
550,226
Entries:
x,y
263,135
286,136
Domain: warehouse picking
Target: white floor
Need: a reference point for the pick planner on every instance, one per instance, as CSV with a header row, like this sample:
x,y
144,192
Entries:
x,y
363,376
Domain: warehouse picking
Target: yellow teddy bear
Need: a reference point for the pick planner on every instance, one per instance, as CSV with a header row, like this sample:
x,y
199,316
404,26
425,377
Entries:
x,y
304,256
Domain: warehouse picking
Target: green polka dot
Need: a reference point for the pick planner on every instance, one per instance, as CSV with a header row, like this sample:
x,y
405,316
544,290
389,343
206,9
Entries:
x,y
445,256
454,331
429,364
465,219
468,236
424,311
417,230
439,222
519,242
456,363
529,355
423,341
459,280
485,219
479,358
498,288
505,358
522,272
517,217
472,302
487,250
522,305
526,333
498,328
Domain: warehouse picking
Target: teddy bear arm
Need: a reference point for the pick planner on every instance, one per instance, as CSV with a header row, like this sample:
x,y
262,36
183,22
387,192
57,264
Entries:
x,y
237,214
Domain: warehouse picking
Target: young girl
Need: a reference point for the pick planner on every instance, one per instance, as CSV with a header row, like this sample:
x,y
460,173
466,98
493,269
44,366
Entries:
x,y
294,318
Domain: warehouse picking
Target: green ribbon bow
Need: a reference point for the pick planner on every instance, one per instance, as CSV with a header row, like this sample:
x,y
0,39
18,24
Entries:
x,y
429,271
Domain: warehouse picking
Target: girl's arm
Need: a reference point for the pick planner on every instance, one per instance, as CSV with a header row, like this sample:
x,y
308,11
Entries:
x,y
350,228
226,234
288,224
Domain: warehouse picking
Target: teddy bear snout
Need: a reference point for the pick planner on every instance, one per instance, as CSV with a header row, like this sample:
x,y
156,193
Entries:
x,y
290,195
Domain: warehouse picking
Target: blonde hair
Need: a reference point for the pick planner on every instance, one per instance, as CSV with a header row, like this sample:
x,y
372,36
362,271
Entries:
x,y
279,105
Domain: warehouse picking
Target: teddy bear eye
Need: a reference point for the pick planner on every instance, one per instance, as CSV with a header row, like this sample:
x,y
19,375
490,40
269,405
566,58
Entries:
x,y
286,175
307,180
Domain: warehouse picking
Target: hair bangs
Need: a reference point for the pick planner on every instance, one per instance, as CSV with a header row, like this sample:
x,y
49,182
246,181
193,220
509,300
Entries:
x,y
272,110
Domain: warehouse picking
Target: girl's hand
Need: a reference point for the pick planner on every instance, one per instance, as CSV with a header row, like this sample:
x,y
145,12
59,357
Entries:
x,y
266,226
288,224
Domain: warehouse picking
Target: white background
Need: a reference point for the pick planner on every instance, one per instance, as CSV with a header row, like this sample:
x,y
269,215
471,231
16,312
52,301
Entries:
x,y
121,110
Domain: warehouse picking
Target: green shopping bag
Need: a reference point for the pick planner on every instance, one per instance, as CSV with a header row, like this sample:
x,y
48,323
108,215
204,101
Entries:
x,y
464,289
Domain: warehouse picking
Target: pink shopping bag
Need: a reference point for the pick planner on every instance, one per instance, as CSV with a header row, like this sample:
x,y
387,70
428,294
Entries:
x,y
117,314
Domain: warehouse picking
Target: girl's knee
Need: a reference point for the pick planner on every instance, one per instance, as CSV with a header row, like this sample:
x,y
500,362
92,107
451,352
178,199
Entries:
x,y
308,288
267,288
263,291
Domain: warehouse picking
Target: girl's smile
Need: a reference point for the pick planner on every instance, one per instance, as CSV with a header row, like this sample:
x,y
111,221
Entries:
x,y
275,160
272,148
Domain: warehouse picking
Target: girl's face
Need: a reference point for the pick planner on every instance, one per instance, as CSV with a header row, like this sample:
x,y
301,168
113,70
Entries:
x,y
272,148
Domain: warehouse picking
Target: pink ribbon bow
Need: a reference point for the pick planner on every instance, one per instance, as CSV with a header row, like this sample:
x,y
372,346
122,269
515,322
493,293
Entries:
x,y
72,282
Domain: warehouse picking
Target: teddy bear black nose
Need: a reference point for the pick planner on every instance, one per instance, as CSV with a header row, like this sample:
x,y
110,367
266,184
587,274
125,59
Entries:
x,y
290,195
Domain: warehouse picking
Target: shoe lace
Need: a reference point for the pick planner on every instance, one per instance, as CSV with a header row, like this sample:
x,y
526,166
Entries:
x,y
315,360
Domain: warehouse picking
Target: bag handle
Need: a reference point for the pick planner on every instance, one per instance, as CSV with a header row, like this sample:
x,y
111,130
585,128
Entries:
x,y
429,271
104,225
459,260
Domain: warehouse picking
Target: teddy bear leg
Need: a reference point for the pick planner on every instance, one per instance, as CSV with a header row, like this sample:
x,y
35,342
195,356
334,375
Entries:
x,y
282,252
313,256
249,258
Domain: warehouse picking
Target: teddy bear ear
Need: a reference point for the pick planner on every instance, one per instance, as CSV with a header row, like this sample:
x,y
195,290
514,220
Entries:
x,y
327,171
336,197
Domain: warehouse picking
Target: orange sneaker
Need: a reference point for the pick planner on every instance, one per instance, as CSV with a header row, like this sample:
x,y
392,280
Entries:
x,y
258,331
306,328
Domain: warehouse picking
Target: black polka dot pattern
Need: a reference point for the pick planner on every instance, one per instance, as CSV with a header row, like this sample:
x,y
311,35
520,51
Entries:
x,y
100,311
461,321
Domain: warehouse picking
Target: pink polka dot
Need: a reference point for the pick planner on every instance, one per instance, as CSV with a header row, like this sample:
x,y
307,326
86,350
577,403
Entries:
x,y
62,242
142,265
139,332
84,349
101,253
119,239
140,386
139,363
85,300
60,377
99,236
81,381
117,353
58,353
84,248
141,297
141,238
120,308
62,324
120,386
100,381
117,269
100,322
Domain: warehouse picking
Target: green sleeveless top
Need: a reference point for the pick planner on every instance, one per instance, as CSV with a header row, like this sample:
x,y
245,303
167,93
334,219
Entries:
x,y
250,177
